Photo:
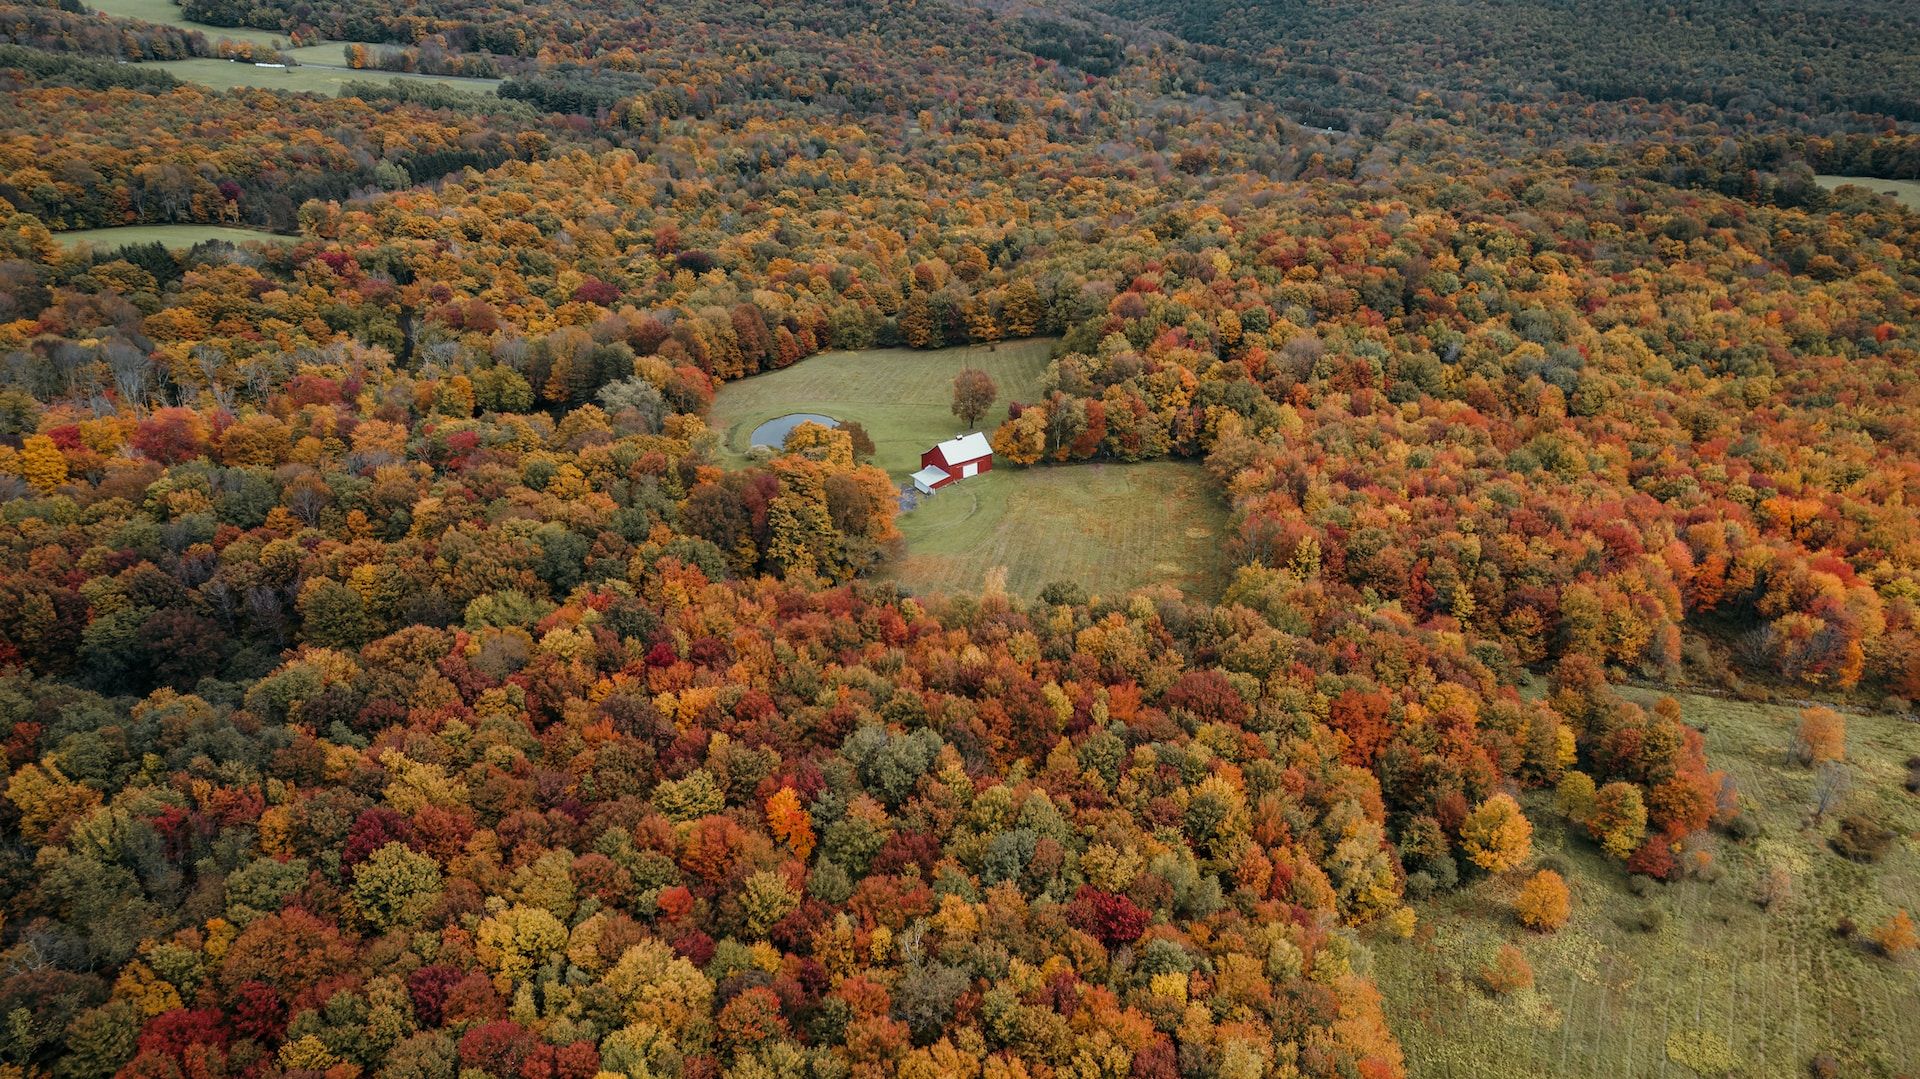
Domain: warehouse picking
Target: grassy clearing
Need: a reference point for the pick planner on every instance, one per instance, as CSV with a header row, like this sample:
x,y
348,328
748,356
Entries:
x,y
167,13
178,236
1721,984
1905,192
230,75
323,67
1110,528
901,396
332,53
1107,527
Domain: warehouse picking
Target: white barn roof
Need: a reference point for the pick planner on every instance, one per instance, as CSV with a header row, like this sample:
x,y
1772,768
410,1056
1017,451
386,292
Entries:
x,y
965,448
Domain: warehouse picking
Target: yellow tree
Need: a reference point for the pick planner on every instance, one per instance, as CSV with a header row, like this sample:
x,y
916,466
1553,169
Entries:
x,y
516,941
1020,314
42,464
1496,835
1022,441
1544,903
1619,818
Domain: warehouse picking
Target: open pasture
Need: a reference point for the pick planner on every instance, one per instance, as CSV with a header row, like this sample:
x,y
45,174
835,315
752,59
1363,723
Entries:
x,y
167,13
173,236
1107,527
310,78
320,69
1905,192
902,396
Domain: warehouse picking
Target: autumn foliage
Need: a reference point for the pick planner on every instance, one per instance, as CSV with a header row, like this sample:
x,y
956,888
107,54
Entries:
x,y
400,678
1543,904
1820,737
1896,935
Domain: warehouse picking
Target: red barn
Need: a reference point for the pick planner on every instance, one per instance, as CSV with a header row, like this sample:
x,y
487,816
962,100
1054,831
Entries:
x,y
952,460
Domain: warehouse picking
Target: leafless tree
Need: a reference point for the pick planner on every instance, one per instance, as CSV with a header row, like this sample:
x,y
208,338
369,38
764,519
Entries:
x,y
132,372
1831,785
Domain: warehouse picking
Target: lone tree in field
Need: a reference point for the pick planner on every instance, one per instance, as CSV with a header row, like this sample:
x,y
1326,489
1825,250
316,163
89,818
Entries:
x,y
1509,972
973,394
1822,736
1544,903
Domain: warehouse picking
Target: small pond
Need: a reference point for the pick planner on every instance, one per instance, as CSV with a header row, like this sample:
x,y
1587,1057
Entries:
x,y
773,433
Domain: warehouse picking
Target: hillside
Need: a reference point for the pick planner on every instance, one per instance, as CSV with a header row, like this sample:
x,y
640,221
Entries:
x,y
410,668
1655,978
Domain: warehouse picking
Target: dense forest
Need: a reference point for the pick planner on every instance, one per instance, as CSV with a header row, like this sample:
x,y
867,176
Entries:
x,y
395,680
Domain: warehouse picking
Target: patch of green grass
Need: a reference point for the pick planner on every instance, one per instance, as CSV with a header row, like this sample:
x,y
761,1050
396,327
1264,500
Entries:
x,y
1110,528
233,74
1719,979
167,13
902,397
1905,192
322,68
333,53
180,236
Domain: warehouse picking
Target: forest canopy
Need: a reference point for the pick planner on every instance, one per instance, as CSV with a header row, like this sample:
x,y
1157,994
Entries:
x,y
397,680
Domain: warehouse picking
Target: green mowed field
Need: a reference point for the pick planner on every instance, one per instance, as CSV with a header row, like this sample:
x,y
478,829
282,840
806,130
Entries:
x,y
903,397
1905,192
1719,987
167,13
170,235
1110,528
232,74
333,52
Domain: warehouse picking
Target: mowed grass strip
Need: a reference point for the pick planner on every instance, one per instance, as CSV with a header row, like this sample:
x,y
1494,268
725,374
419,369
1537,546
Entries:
x,y
901,396
1720,979
1110,528
1905,192
172,236
235,74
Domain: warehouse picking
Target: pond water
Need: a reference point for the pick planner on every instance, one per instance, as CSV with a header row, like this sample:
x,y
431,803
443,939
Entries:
x,y
773,433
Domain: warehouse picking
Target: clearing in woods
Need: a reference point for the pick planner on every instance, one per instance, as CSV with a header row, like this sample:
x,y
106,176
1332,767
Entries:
x,y
901,396
173,236
1719,987
234,74
1107,527
167,13
1905,192
322,68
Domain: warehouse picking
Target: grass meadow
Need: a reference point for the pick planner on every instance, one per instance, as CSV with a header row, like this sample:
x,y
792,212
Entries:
x,y
1107,527
323,67
176,236
1110,528
167,13
900,395
234,74
1720,987
1905,192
